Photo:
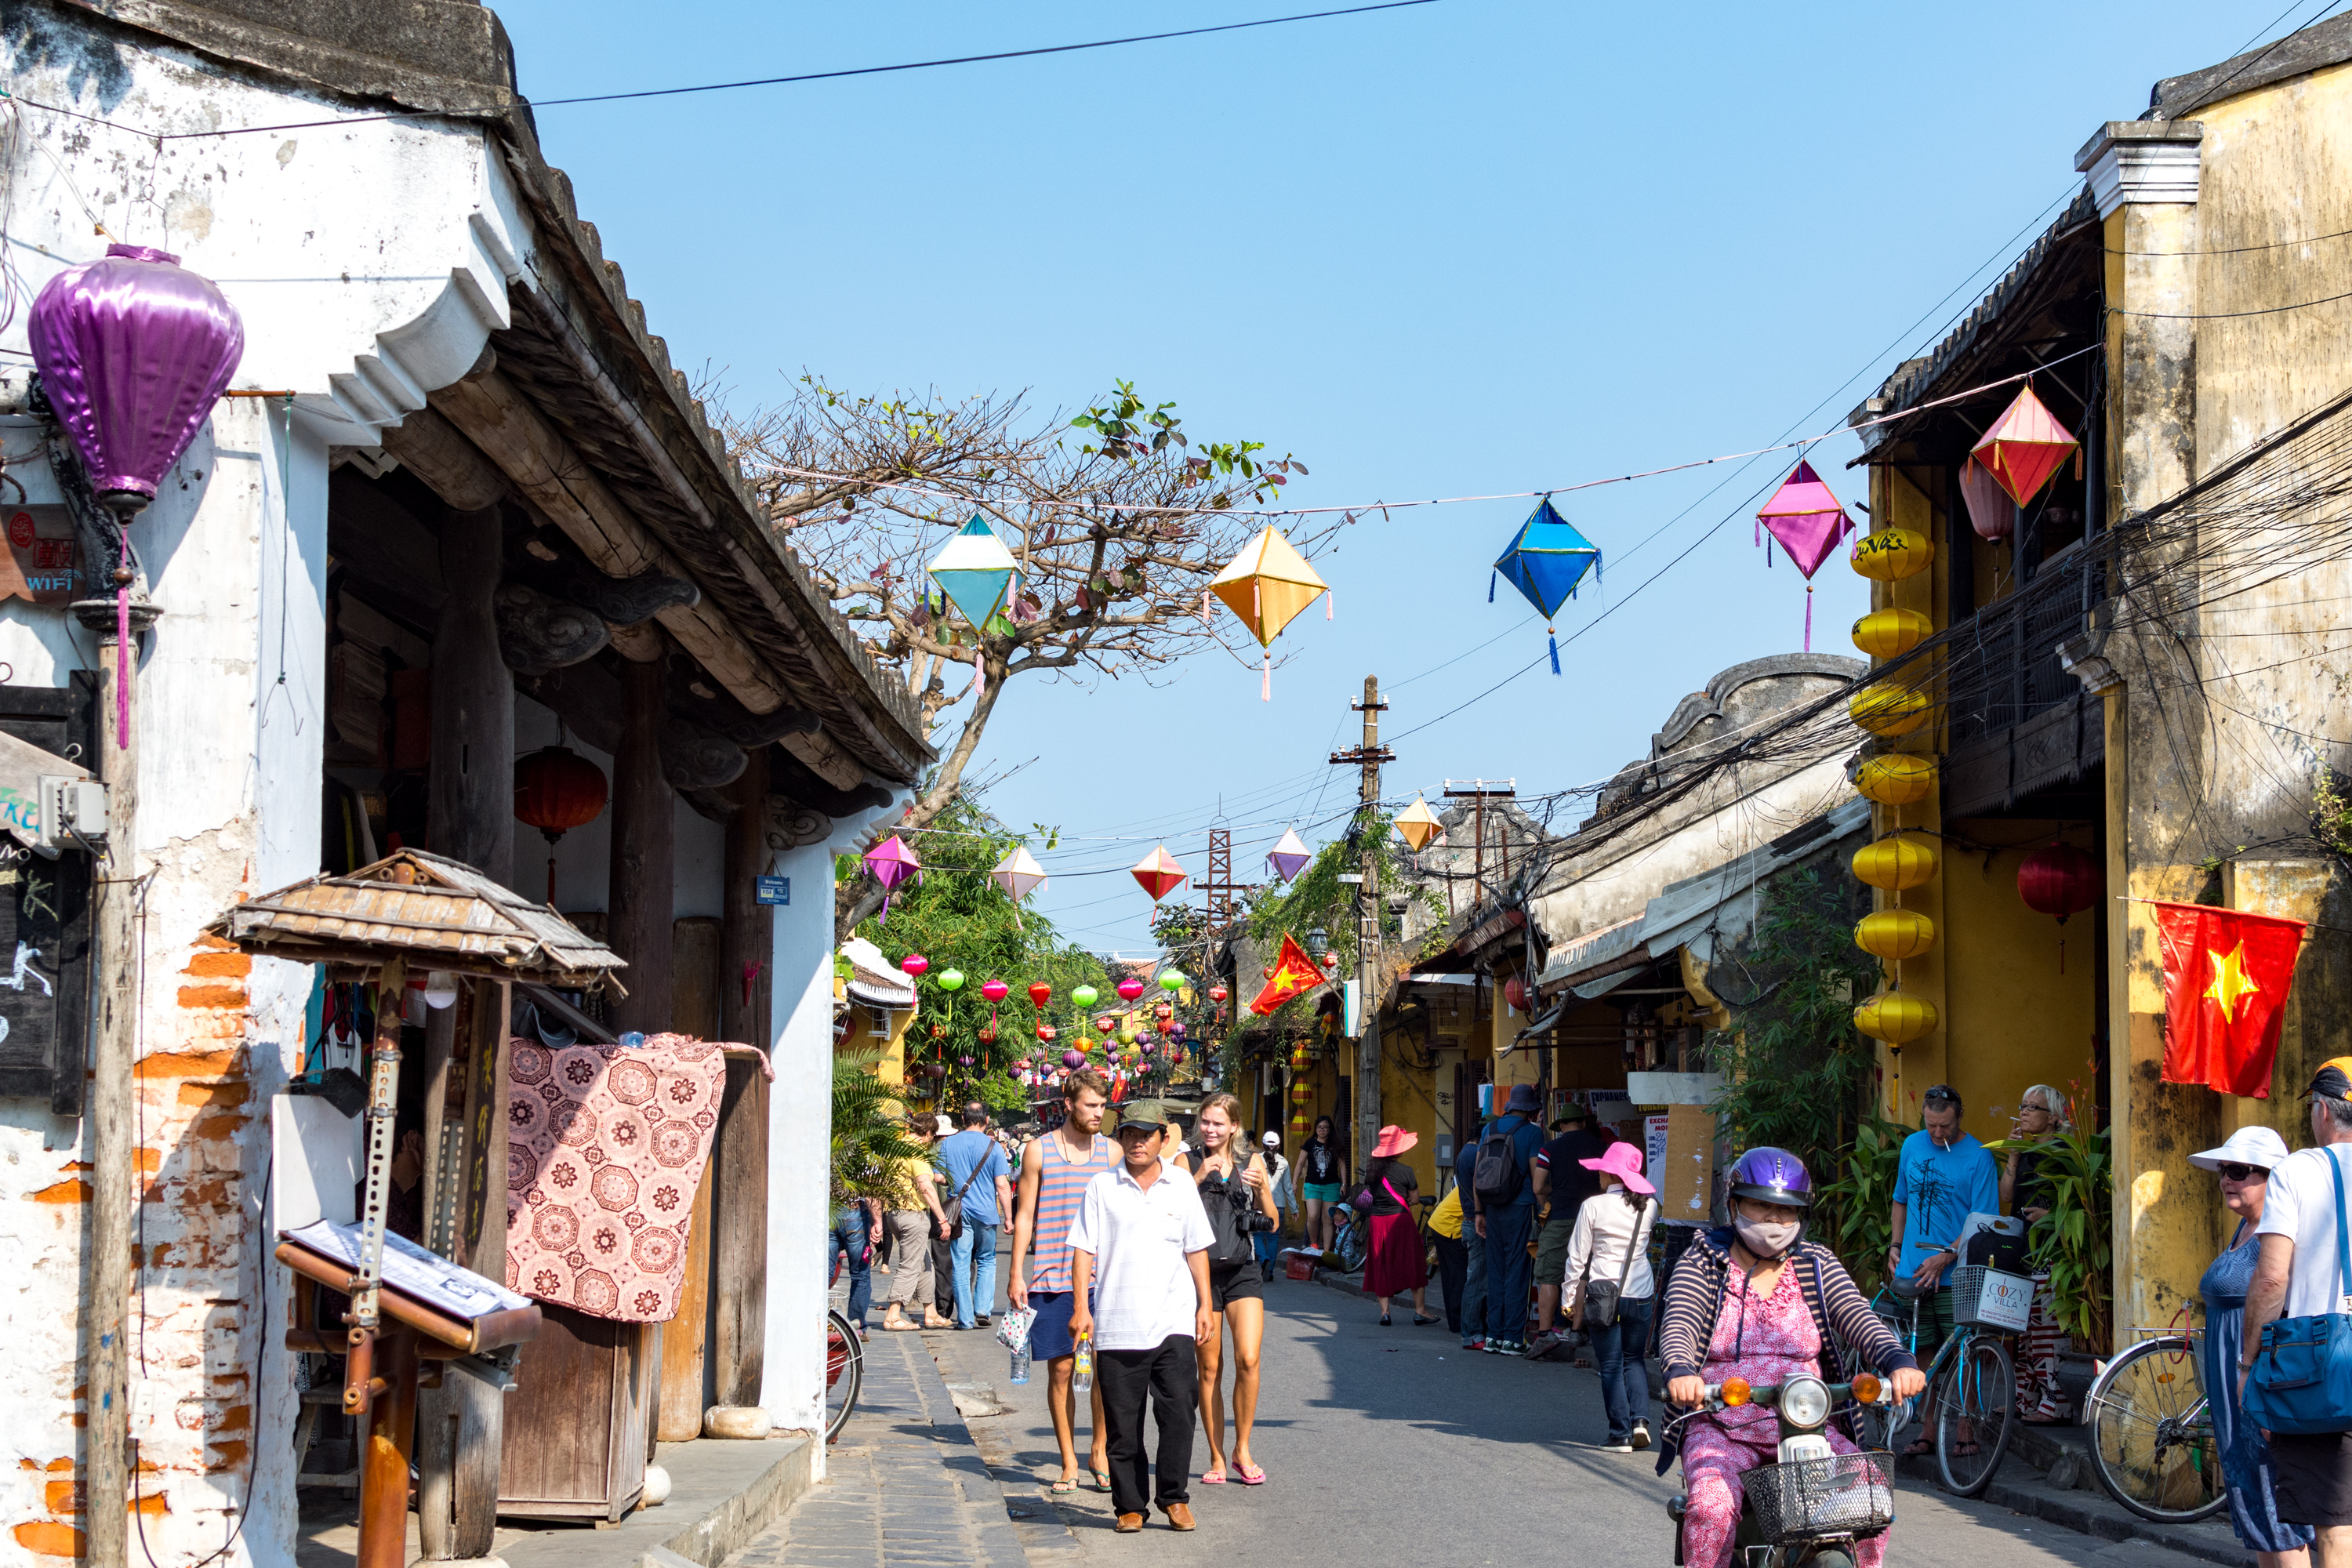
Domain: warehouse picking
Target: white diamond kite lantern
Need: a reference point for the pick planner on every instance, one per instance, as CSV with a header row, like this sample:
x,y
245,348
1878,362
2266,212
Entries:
x,y
975,571
1018,874
1288,857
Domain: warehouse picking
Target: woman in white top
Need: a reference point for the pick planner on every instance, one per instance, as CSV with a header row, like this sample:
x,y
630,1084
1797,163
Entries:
x,y
1611,1247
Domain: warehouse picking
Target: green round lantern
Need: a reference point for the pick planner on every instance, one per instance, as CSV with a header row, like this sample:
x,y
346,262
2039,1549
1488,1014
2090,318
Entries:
x,y
1084,996
952,980
1172,980
1127,1036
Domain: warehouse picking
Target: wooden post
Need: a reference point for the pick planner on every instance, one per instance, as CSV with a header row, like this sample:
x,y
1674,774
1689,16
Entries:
x,y
644,827
113,1142
384,1468
696,984
739,1173
470,794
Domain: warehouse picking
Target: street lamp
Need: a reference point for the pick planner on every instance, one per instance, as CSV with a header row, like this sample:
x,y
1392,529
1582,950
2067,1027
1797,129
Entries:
x,y
1319,942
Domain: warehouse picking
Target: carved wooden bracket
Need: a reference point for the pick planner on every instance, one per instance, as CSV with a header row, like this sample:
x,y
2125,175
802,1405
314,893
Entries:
x,y
538,633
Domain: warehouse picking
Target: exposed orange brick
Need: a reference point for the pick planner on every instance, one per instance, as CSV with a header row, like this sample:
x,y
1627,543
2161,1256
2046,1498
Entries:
x,y
78,1165
148,1158
50,1539
218,964
235,1418
73,1190
212,995
221,1094
152,1504
220,1126
187,1064
62,1497
228,1455
219,943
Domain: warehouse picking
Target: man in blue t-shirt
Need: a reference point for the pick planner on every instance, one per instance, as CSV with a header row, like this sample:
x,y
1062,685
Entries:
x,y
975,1168
1506,1225
1943,1177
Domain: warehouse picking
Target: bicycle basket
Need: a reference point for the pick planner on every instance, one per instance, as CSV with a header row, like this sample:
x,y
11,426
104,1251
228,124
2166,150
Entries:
x,y
1845,1494
1986,1298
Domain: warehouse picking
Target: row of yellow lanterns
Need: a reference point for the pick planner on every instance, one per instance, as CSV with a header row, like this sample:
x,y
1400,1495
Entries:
x,y
1901,860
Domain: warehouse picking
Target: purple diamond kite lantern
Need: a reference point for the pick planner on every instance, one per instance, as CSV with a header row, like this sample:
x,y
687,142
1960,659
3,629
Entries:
x,y
892,863
133,350
1288,857
1809,523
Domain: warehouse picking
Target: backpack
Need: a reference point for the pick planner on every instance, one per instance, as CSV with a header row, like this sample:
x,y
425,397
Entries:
x,y
1495,1177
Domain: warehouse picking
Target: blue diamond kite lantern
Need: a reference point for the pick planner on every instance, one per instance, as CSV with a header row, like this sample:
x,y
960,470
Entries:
x,y
1545,563
975,571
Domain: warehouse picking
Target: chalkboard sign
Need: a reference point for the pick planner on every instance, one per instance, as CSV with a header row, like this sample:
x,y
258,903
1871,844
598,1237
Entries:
x,y
45,907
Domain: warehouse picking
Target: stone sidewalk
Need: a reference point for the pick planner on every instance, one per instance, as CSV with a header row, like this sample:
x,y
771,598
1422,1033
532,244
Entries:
x,y
905,1486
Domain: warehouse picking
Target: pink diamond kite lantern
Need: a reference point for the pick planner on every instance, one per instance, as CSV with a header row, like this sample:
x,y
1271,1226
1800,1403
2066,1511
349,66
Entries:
x,y
892,863
1018,874
2024,447
1160,874
1288,857
1809,523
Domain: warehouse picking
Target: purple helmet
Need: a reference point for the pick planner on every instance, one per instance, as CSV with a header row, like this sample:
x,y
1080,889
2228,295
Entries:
x,y
1772,1176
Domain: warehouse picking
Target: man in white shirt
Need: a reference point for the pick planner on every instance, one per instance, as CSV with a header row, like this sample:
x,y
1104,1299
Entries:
x,y
1269,1242
1141,1243
2297,1275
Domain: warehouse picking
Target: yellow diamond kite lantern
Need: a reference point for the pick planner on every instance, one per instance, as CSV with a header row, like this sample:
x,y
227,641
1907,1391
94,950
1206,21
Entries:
x,y
1417,825
1267,585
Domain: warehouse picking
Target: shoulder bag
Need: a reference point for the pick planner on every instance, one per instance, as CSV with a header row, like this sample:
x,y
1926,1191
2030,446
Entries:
x,y
953,1208
1600,1300
2302,1379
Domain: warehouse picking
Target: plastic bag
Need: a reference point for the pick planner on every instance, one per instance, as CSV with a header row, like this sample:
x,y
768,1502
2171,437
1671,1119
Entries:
x,y
1012,1326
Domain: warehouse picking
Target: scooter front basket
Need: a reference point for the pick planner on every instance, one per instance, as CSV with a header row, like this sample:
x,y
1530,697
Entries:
x,y
1845,1494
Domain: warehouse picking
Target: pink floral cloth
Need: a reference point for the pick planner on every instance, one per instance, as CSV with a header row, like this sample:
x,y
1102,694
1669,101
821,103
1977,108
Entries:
x,y
1766,1340
605,1145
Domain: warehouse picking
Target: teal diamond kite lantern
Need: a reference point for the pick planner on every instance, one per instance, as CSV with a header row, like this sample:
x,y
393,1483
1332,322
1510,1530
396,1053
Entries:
x,y
975,571
1545,562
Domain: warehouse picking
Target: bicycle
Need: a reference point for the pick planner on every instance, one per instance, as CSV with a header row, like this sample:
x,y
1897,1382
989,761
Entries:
x,y
1971,1389
845,1364
2152,1440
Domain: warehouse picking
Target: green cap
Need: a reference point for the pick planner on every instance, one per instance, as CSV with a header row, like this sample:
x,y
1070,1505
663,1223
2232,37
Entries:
x,y
1149,1113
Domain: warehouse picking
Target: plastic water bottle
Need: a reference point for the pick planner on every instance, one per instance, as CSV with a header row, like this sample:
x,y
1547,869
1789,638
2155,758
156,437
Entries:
x,y
1081,1375
1021,1360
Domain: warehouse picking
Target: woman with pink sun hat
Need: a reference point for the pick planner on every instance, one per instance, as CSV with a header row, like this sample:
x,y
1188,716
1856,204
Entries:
x,y
1611,1291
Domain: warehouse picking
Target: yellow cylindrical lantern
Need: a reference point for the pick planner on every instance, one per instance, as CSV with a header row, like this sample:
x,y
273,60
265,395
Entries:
x,y
1895,933
1896,1017
1895,778
1902,860
1883,634
1890,554
1887,711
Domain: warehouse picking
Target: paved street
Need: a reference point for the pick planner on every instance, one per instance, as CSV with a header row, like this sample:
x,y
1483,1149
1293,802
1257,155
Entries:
x,y
1388,1445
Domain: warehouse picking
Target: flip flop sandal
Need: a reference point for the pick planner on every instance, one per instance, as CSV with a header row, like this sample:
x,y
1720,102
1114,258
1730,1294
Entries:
x,y
1919,1449
1212,1478
1251,1476
1062,1488
1102,1481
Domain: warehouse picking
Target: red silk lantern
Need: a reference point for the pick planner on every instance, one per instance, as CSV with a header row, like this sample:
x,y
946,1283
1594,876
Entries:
x,y
915,964
1129,989
1040,992
2058,880
1514,992
556,790
994,990
1217,993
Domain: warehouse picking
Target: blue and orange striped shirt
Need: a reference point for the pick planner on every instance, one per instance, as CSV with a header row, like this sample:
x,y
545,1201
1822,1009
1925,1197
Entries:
x,y
1061,1184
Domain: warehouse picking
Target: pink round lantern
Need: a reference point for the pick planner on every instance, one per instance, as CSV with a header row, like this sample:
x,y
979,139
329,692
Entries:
x,y
1178,1030
1073,1059
994,990
1131,988
914,963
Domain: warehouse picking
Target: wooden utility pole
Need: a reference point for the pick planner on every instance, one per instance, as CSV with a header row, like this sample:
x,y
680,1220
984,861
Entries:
x,y
645,828
1478,795
1368,756
113,1144
739,1170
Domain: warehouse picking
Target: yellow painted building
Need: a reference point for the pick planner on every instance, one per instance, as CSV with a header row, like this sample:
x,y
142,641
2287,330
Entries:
x,y
2146,664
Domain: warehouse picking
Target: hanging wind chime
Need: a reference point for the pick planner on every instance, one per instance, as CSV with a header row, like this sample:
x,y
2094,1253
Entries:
x,y
133,350
1545,562
1809,522
1266,586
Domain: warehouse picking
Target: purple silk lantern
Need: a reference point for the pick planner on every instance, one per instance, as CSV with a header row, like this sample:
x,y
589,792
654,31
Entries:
x,y
133,350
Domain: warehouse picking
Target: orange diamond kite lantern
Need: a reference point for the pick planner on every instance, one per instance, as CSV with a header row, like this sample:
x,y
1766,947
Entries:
x,y
1267,585
1417,825
2024,447
1160,874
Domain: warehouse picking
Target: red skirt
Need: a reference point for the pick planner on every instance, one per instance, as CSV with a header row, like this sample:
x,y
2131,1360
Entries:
x,y
1398,1262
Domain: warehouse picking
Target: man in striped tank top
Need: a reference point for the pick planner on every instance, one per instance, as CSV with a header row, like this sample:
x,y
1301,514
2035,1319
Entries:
x,y
1054,1171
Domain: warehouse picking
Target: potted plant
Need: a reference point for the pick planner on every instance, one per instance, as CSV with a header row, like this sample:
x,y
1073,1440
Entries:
x,y
2074,1241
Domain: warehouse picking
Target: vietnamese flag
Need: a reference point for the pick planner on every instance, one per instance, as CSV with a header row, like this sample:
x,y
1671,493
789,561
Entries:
x,y
2226,976
1294,975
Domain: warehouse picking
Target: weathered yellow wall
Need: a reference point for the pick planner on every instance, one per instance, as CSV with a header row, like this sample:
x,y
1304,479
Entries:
x,y
2014,1019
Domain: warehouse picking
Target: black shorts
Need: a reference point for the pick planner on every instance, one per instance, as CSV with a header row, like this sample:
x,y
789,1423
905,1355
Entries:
x,y
2314,1484
1234,1282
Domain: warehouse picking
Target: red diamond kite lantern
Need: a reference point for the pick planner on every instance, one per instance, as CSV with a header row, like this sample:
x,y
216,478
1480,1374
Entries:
x,y
1267,585
1809,523
2024,447
1160,875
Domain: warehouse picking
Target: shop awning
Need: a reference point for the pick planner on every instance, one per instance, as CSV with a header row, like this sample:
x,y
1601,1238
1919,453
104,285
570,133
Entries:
x,y
1611,950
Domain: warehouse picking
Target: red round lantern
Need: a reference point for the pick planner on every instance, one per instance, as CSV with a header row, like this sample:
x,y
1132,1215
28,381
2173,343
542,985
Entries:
x,y
1217,993
1131,988
914,963
1040,992
556,790
993,990
1514,992
1047,1031
988,1034
2059,880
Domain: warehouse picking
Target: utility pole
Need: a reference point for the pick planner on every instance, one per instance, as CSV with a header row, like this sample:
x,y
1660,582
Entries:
x,y
1478,795
1368,756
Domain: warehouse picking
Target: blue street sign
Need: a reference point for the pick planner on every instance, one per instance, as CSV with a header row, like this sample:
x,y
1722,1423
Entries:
x,y
773,889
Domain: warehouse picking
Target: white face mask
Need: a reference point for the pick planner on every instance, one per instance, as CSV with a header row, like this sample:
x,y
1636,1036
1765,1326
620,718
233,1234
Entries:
x,y
1767,1239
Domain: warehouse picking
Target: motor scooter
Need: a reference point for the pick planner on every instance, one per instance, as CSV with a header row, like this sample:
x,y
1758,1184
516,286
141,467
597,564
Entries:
x,y
1810,1509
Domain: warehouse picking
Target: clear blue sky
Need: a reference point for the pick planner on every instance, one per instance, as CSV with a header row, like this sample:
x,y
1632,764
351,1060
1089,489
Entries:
x,y
1469,247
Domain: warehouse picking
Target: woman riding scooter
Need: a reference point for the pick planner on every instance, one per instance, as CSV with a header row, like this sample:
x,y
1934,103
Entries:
x,y
1753,1300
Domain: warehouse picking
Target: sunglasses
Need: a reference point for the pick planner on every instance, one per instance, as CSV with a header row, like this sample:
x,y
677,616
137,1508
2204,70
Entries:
x,y
2243,1173
1941,1097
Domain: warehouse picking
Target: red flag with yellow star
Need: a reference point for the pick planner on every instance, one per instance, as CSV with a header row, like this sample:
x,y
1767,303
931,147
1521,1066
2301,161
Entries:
x,y
2226,976
1294,974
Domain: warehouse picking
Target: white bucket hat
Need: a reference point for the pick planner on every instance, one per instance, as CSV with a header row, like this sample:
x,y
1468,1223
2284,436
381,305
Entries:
x,y
2247,1146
